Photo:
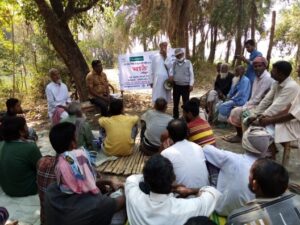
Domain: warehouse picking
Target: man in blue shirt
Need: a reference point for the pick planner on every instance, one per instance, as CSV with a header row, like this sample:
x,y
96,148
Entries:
x,y
237,96
250,47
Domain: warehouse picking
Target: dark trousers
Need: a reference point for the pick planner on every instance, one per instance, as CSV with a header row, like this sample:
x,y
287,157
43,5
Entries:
x,y
178,91
100,103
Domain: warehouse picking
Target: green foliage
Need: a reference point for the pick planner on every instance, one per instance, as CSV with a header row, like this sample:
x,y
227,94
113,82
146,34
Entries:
x,y
288,29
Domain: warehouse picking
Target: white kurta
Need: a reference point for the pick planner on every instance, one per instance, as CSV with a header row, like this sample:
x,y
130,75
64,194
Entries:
x,y
159,75
57,94
233,177
189,163
278,99
290,131
162,209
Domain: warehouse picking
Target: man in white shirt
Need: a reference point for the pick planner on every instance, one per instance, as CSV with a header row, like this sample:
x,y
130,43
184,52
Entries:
x,y
273,204
187,157
154,122
161,64
182,75
57,97
283,92
260,87
234,169
160,207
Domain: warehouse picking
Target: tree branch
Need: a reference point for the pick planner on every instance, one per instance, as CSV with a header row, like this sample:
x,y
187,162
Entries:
x,y
71,10
45,9
57,7
89,5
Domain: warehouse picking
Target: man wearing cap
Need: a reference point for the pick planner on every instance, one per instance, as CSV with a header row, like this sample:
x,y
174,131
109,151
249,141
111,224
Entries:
x,y
221,89
183,78
238,94
234,168
261,86
161,66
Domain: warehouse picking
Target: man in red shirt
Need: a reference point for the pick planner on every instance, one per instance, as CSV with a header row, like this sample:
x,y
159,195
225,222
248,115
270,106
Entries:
x,y
200,131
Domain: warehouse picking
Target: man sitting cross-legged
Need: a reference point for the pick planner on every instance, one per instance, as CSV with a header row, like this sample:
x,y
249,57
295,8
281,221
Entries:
x,y
283,92
119,130
234,168
261,85
238,94
153,123
187,157
75,197
199,130
18,158
268,180
160,207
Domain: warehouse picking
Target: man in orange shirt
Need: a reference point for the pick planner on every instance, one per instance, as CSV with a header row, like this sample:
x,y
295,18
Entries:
x,y
98,87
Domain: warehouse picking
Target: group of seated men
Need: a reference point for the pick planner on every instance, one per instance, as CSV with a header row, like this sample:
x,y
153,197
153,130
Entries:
x,y
268,101
186,176
175,184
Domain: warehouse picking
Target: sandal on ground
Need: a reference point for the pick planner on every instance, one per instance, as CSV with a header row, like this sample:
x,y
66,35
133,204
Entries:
x,y
233,139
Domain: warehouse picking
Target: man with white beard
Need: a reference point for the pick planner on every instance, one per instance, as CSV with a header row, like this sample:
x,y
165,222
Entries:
x,y
161,66
221,88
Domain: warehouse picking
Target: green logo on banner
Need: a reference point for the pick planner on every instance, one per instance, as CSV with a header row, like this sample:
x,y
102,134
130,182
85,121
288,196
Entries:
x,y
136,58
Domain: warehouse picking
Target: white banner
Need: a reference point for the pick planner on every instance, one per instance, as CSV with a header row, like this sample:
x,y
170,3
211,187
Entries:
x,y
135,69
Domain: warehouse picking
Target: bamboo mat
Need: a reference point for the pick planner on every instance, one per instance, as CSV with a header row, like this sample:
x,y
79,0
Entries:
x,y
127,165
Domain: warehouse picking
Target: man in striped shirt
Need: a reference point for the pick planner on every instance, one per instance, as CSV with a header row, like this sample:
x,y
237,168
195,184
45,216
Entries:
x,y
200,131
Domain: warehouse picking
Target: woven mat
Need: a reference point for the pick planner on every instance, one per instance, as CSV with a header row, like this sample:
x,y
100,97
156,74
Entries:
x,y
127,165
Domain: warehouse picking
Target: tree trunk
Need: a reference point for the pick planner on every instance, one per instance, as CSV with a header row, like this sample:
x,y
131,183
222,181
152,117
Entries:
x,y
25,76
253,19
213,44
144,42
186,41
228,47
63,42
239,33
272,34
60,35
179,35
298,55
194,39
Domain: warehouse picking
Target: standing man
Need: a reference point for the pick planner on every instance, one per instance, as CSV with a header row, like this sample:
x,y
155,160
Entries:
x,y
161,65
98,87
250,47
183,77
57,97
